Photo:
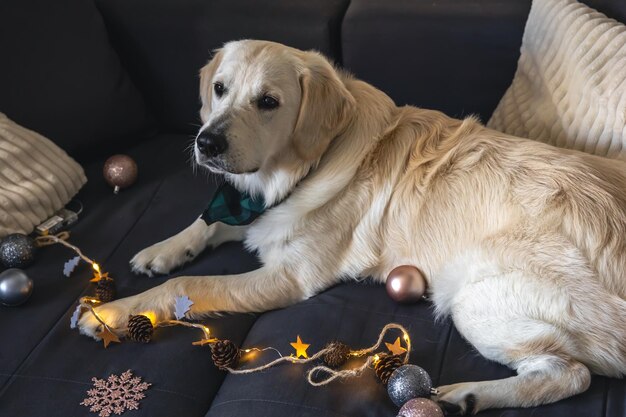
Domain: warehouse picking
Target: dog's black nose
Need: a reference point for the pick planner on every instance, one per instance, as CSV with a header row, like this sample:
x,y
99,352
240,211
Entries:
x,y
211,144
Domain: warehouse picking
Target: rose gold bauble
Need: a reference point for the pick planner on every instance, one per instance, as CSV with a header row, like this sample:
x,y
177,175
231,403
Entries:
x,y
120,171
420,407
406,284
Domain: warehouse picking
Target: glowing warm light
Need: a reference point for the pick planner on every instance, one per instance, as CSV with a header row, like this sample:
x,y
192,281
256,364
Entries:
x,y
151,315
406,338
96,267
376,359
248,350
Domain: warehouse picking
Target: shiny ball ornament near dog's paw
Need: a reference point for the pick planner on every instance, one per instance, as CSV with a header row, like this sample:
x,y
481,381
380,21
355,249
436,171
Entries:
x,y
408,382
406,284
420,407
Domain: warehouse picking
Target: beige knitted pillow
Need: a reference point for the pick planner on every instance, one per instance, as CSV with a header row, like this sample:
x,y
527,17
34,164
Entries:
x,y
37,178
570,86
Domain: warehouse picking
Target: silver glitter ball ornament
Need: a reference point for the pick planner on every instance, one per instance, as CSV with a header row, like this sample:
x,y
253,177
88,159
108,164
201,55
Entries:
x,y
15,287
408,382
420,407
17,251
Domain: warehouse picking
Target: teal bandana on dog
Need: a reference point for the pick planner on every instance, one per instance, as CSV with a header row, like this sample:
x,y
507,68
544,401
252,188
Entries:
x,y
230,206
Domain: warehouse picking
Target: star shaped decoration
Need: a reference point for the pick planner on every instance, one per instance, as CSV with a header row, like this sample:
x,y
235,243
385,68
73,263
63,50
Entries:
x,y
108,337
396,348
100,276
300,348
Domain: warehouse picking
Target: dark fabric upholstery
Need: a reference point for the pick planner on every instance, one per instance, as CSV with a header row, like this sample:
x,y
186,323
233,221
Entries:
x,y
60,77
615,9
457,56
164,43
355,313
40,355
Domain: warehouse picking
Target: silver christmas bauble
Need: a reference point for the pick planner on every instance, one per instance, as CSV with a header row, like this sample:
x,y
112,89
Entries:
x,y
17,251
15,287
420,407
408,382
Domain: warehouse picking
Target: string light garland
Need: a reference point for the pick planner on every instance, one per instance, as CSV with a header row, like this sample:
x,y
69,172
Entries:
x,y
405,382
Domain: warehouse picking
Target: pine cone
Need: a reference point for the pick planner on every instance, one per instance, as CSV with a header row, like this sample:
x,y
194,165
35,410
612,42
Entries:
x,y
337,355
225,354
140,328
105,290
386,365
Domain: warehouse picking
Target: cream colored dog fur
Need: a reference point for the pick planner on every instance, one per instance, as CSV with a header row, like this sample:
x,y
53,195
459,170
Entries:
x,y
523,244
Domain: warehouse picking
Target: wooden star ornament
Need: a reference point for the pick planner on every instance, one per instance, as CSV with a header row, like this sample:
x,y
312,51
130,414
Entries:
x,y
100,276
300,348
108,337
396,348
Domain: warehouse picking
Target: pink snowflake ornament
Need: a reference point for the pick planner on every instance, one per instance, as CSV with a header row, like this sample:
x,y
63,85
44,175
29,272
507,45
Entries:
x,y
116,394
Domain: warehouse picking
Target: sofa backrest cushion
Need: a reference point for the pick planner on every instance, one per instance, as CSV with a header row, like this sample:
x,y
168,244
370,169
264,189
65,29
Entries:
x,y
164,43
60,76
570,86
455,56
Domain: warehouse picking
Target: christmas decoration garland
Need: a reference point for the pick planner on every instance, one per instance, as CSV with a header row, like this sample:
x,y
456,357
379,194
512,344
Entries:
x,y
405,382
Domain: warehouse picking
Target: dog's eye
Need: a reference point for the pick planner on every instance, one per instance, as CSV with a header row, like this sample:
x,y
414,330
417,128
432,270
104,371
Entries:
x,y
267,103
219,89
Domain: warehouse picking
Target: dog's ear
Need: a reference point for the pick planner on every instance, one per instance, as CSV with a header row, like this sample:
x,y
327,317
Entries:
x,y
325,107
206,83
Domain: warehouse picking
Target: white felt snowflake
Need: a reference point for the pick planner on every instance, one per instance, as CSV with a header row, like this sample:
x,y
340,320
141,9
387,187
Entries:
x,y
115,394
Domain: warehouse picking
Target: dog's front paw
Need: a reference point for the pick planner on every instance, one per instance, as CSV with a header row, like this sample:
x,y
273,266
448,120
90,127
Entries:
x,y
114,314
162,258
458,399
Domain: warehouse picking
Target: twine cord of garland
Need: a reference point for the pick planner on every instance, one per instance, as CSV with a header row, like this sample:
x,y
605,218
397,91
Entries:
x,y
331,374
205,330
61,238
276,362
348,373
89,303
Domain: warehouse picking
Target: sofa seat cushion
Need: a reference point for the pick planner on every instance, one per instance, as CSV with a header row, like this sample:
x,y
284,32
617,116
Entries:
x,y
355,313
60,77
46,368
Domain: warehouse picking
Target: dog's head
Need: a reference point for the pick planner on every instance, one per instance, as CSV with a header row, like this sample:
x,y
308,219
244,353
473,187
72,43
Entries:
x,y
263,102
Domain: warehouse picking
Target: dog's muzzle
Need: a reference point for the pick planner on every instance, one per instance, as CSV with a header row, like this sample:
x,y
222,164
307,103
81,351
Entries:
x,y
211,144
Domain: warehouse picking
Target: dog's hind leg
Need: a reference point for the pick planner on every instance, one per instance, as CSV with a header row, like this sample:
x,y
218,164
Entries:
x,y
540,379
516,319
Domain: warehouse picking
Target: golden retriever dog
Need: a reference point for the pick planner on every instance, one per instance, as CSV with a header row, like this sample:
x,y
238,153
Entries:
x,y
521,243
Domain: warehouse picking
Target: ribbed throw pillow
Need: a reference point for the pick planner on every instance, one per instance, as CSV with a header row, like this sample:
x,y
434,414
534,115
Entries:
x,y
37,178
570,86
